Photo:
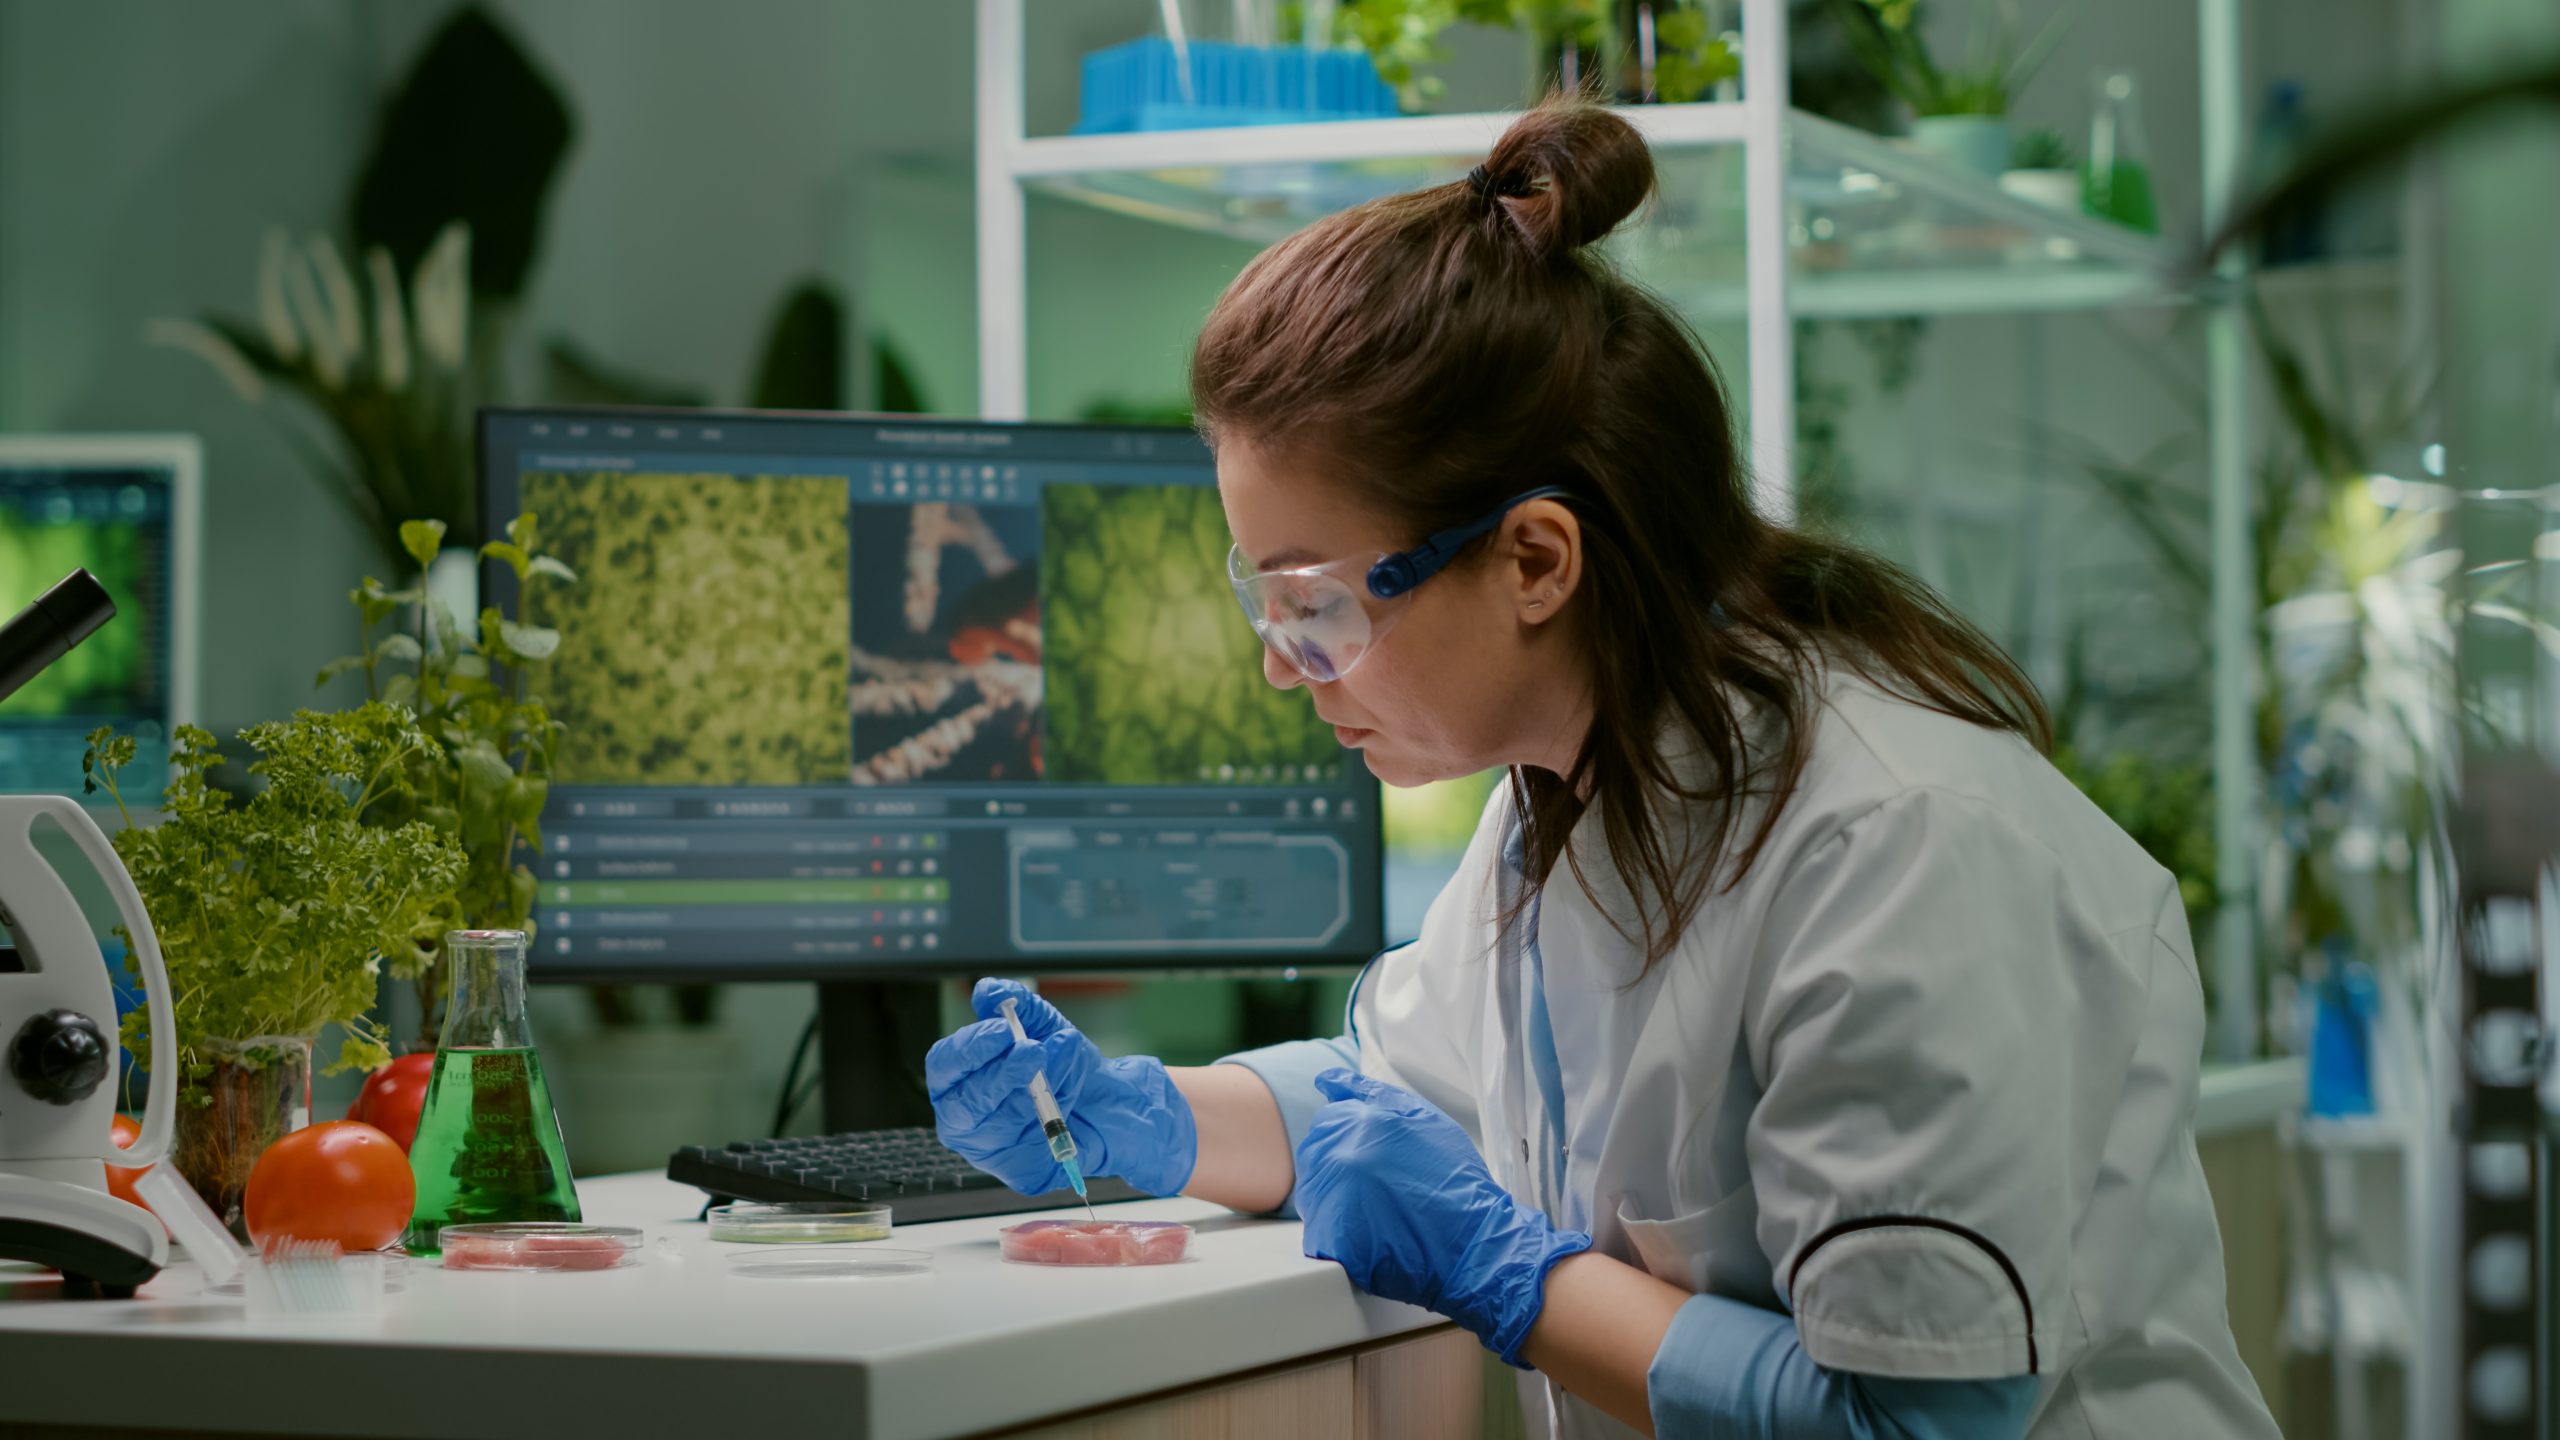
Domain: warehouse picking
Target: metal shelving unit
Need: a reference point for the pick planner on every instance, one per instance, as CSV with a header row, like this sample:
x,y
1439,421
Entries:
x,y
1766,214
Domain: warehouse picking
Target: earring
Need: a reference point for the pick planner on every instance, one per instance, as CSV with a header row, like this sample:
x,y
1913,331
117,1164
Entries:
x,y
1537,604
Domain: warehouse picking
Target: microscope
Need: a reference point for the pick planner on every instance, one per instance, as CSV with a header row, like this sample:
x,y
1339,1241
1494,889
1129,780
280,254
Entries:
x,y
58,1049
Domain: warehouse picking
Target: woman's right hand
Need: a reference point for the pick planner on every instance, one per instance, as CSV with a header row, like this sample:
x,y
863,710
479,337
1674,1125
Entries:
x,y
1126,1116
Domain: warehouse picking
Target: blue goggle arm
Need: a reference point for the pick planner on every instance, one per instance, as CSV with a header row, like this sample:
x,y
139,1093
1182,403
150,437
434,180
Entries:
x,y
1399,573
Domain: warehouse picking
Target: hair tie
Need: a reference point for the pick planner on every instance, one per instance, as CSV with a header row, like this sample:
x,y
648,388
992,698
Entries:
x,y
1487,187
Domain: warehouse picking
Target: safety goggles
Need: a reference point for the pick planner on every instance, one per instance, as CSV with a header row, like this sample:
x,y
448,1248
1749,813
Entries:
x,y
1324,619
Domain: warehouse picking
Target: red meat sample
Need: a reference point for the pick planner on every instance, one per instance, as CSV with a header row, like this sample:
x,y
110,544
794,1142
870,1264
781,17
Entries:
x,y
535,1252
1096,1242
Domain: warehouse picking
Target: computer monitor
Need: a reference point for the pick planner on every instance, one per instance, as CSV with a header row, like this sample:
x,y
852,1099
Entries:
x,y
124,507
854,699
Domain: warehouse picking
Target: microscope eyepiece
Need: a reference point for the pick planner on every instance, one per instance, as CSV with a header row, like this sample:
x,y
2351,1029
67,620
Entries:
x,y
47,629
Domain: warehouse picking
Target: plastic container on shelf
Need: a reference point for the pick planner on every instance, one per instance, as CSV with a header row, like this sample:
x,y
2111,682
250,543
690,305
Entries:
x,y
1140,86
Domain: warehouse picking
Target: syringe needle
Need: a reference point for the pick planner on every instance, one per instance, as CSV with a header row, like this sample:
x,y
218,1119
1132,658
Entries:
x,y
1053,1122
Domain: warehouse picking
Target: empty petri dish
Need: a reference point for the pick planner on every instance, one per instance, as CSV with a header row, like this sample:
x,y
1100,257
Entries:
x,y
538,1245
799,1223
1096,1242
829,1263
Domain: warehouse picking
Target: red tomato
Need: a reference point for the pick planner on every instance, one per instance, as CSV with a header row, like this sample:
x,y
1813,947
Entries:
x,y
393,1095
120,1178
338,1180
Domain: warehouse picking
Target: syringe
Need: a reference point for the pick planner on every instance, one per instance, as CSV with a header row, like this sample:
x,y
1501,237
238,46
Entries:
x,y
1053,1124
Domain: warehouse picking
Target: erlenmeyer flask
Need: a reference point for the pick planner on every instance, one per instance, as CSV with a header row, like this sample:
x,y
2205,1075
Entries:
x,y
2116,181
488,1146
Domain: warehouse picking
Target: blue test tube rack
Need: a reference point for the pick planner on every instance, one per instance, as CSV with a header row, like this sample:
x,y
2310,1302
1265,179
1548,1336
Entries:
x,y
1138,87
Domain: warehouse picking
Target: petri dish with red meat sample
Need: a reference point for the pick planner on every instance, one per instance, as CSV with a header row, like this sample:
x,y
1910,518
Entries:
x,y
1096,1242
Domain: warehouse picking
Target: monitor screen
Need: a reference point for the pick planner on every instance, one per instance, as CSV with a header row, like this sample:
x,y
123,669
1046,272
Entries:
x,y
123,508
854,696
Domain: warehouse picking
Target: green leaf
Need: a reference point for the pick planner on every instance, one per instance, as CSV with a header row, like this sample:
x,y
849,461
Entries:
x,y
551,566
524,799
514,556
372,602
483,768
448,630
399,646
336,668
400,689
530,642
422,539
469,666
521,531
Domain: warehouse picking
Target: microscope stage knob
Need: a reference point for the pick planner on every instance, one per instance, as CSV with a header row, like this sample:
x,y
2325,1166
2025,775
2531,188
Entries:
x,y
59,1056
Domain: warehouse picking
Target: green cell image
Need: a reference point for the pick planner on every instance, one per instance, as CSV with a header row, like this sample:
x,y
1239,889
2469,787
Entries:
x,y
1152,675
704,642
109,673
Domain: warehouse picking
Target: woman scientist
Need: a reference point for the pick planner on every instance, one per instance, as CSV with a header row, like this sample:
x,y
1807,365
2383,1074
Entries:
x,y
1795,1051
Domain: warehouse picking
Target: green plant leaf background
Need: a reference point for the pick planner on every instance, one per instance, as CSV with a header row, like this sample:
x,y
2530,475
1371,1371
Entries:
x,y
705,643
1153,677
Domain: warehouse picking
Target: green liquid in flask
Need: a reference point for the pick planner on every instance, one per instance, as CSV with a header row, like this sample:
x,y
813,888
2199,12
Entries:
x,y
488,1146
2120,192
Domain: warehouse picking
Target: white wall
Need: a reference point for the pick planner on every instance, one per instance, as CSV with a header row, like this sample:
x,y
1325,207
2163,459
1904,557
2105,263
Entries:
x,y
144,149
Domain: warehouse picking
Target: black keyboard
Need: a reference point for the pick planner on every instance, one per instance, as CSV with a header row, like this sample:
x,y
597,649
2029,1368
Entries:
x,y
908,1170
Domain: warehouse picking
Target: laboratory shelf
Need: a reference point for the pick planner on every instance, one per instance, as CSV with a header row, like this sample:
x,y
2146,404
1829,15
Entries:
x,y
2355,1132
1873,227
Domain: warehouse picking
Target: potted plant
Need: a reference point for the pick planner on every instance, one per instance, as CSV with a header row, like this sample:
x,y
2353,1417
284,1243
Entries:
x,y
2041,169
375,387
275,912
1959,111
483,770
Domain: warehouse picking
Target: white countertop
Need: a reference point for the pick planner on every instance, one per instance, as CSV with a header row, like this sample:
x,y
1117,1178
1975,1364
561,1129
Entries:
x,y
676,1344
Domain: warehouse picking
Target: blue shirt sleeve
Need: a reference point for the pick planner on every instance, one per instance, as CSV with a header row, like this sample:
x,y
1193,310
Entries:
x,y
1290,1069
1733,1370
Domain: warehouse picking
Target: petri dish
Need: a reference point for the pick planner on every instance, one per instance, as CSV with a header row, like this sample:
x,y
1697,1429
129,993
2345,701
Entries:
x,y
538,1245
800,1223
1096,1242
829,1263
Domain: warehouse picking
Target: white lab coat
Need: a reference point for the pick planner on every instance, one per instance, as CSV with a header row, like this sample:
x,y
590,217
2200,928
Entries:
x,y
1926,1079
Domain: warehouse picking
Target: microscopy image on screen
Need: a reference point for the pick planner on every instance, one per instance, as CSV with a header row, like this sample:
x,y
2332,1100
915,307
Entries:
x,y
110,673
704,640
946,643
1153,676
115,523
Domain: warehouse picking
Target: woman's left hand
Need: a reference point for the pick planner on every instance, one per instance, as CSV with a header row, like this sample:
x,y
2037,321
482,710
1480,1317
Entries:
x,y
1395,1193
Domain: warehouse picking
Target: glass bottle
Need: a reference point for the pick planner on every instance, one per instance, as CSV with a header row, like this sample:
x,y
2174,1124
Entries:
x,y
488,1146
2115,181
256,1091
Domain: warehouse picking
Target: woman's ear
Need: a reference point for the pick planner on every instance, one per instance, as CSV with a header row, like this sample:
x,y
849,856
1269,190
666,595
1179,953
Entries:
x,y
1542,554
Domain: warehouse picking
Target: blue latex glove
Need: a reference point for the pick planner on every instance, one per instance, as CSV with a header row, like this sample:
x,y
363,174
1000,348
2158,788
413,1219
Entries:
x,y
1394,1192
1126,1116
